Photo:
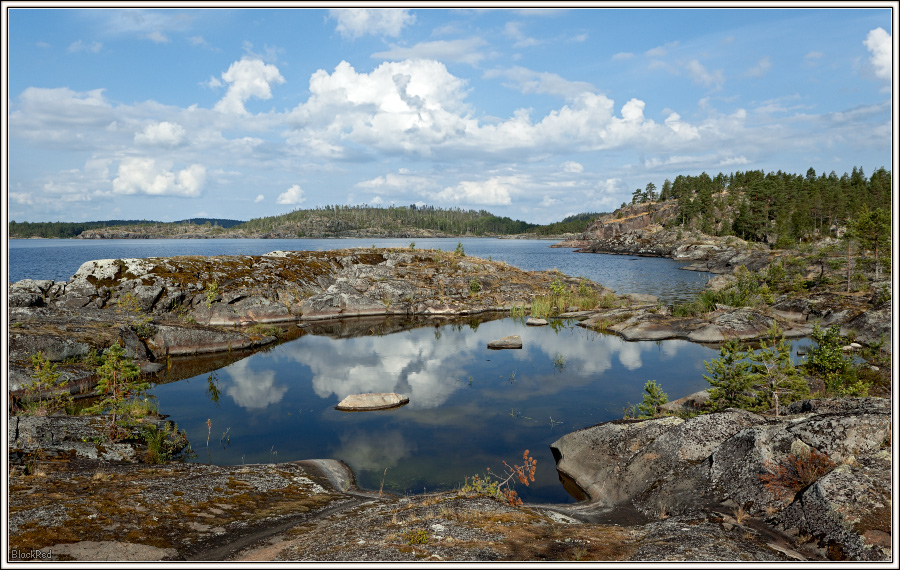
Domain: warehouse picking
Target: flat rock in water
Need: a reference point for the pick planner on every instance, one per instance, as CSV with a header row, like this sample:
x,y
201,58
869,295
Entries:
x,y
535,322
513,341
371,402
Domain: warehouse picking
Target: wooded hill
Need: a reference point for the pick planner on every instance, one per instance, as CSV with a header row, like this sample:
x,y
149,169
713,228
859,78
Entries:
x,y
74,229
328,221
777,208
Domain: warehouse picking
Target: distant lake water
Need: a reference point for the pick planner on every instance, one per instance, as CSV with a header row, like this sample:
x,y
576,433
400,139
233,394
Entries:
x,y
59,259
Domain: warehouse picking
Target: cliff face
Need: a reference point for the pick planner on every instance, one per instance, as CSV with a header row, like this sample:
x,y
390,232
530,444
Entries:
x,y
633,217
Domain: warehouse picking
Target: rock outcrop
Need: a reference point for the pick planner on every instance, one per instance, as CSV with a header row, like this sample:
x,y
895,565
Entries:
x,y
159,308
821,469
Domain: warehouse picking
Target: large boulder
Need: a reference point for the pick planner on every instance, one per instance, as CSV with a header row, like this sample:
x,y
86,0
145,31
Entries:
x,y
175,340
821,469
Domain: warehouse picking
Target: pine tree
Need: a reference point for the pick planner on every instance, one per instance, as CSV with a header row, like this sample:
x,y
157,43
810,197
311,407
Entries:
x,y
730,378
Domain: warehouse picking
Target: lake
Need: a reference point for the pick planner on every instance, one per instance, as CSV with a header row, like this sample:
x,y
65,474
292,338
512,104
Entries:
x,y
470,408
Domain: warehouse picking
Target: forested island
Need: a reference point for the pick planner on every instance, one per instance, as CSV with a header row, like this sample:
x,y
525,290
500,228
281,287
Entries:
x,y
320,222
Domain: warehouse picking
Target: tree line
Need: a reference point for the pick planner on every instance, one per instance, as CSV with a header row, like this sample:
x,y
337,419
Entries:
x,y
336,219
777,208
74,229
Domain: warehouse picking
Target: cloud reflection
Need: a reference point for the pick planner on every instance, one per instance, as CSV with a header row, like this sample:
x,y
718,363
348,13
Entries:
x,y
373,451
253,389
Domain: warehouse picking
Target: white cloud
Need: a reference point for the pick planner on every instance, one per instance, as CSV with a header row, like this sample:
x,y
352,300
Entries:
x,y
247,78
158,37
79,45
760,69
145,176
401,181
699,74
358,22
661,51
212,83
573,167
623,55
461,51
161,134
878,42
293,195
494,191
410,106
513,30
259,199
528,81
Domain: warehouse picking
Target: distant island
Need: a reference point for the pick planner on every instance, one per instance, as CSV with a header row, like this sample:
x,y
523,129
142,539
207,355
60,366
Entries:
x,y
322,222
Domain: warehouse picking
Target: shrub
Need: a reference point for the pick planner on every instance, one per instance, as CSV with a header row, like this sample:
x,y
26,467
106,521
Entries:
x,y
500,487
212,291
474,286
799,471
416,536
460,250
117,382
779,381
828,361
654,397
46,393
730,378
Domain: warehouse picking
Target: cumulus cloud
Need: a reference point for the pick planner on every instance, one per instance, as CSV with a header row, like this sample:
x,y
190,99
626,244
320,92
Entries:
x,y
878,42
409,106
495,191
460,51
293,195
259,199
358,22
247,78
400,181
573,167
146,176
161,134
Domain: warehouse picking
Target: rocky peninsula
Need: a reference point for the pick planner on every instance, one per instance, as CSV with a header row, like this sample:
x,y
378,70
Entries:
x,y
662,489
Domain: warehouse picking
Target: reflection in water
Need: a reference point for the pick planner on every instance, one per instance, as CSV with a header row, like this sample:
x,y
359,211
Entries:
x,y
253,389
371,451
470,407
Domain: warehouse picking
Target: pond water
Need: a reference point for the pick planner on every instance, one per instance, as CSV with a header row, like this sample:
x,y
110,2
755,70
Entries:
x,y
470,409
59,259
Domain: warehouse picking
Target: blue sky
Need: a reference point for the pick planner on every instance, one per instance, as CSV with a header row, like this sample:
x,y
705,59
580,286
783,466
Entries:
x,y
172,113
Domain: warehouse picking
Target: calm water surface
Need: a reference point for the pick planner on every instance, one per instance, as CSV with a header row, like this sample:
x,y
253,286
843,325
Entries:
x,y
471,408
59,259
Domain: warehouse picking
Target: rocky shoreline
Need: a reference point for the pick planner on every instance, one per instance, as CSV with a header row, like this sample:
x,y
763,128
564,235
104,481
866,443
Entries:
x,y
181,316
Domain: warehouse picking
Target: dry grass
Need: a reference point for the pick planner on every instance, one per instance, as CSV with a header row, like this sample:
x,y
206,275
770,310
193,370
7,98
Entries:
x,y
740,515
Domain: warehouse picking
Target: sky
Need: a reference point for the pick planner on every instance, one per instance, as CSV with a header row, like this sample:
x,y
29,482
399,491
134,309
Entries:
x,y
156,113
